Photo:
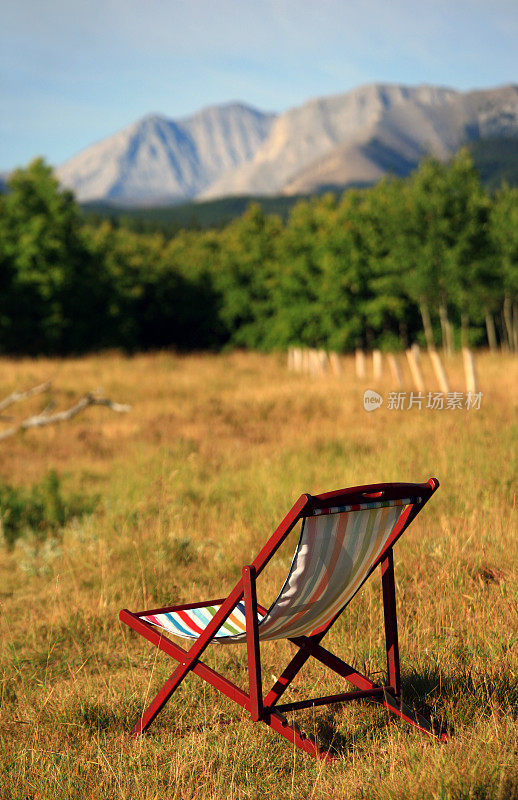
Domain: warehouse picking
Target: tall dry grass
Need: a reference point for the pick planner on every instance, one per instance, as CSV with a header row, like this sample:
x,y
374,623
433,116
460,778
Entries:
x,y
192,481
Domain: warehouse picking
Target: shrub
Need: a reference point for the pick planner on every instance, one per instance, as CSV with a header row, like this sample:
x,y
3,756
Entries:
x,y
42,509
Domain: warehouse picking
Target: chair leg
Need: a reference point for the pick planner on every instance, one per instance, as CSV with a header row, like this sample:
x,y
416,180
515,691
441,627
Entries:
x,y
293,734
252,644
390,614
284,680
400,709
154,707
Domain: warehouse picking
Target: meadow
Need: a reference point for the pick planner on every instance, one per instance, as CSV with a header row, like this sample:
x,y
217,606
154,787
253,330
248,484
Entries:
x,y
188,485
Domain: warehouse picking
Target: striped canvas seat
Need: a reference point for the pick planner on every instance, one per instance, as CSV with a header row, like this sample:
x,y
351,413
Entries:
x,y
335,553
191,622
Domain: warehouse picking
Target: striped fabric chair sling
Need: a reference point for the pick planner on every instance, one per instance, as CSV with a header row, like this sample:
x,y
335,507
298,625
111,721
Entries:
x,y
344,536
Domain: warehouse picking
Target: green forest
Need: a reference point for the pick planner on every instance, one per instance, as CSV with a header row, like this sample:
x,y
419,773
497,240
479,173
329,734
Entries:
x,y
432,257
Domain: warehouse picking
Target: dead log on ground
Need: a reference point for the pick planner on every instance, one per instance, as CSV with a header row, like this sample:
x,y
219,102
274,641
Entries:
x,y
47,418
16,397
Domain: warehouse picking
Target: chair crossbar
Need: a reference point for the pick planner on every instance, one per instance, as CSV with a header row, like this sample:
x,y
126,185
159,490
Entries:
x,y
342,697
183,607
364,506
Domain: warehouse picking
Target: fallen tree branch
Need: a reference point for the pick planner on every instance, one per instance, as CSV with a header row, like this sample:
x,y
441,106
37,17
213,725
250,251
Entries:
x,y
46,418
16,397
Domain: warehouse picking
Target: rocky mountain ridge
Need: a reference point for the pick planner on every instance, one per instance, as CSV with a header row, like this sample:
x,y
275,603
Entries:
x,y
234,149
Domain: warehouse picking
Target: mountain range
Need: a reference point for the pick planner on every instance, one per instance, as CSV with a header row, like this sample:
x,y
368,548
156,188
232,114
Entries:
x,y
328,142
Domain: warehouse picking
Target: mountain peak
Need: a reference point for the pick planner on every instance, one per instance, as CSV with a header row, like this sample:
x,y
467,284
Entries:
x,y
152,118
161,160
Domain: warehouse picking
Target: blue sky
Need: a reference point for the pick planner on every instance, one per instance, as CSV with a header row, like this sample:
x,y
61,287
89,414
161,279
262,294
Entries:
x,y
74,71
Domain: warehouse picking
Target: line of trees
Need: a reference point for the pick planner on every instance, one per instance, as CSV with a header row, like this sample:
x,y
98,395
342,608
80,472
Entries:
x,y
432,257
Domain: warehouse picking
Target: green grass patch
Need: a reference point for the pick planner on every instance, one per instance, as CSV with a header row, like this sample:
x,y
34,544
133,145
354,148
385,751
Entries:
x,y
42,509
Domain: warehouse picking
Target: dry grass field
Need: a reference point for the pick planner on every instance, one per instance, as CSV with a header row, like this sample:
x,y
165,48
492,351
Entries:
x,y
190,483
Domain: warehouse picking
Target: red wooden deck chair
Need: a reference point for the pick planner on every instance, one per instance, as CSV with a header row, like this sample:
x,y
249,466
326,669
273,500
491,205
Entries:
x,y
345,535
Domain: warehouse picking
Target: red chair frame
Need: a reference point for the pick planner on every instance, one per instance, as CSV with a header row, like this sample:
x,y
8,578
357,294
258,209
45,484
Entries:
x,y
268,709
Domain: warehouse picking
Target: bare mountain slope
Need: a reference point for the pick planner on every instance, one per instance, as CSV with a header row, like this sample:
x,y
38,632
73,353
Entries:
x,y
406,132
301,135
160,160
